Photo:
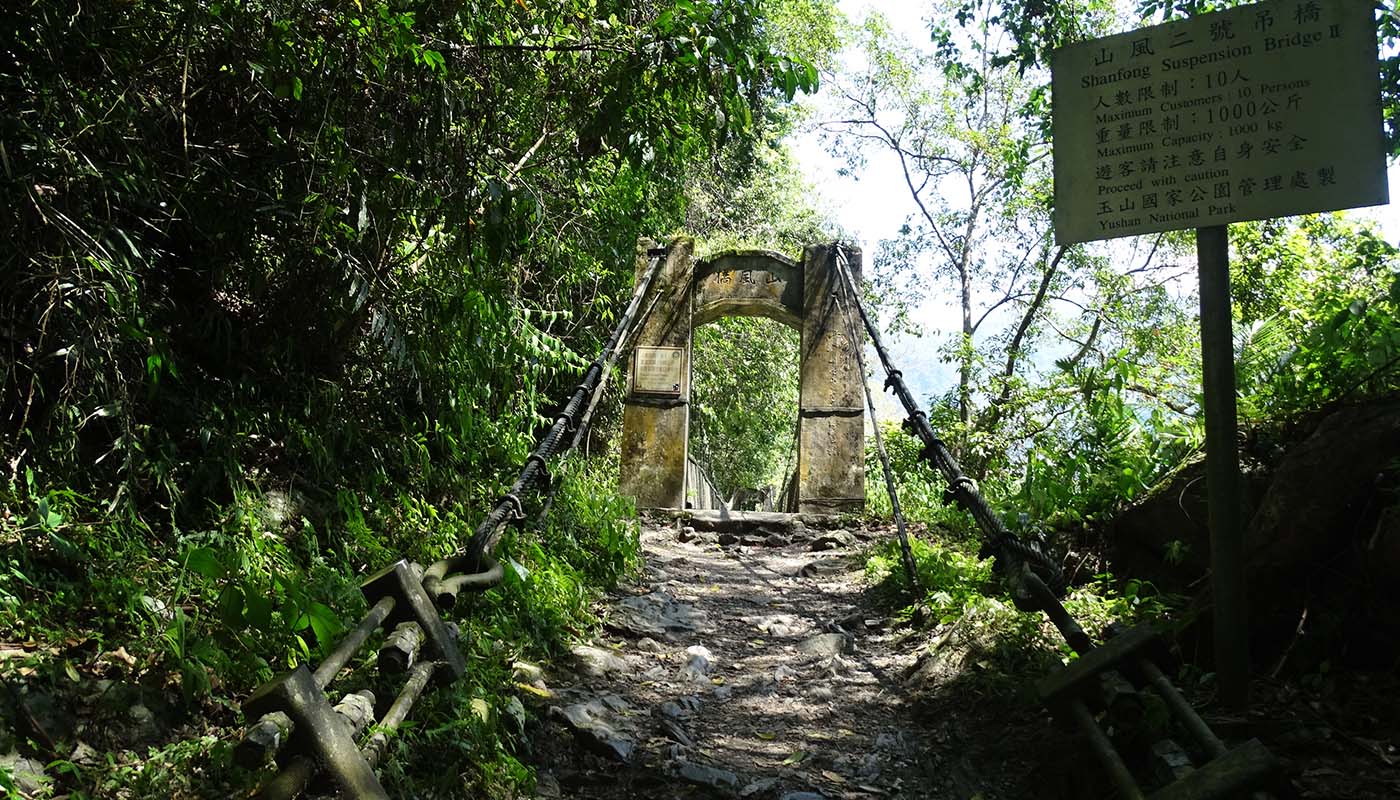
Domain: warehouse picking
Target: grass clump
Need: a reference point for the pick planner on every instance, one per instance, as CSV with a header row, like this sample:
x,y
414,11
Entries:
x,y
951,576
976,626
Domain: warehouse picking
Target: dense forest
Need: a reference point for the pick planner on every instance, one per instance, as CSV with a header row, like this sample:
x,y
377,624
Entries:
x,y
291,287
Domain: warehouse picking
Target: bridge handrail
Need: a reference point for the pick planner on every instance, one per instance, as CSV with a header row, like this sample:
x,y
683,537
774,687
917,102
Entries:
x,y
1105,677
1035,578
293,716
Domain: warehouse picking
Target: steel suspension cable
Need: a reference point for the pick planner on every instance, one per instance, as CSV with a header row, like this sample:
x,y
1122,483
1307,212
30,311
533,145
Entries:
x,y
478,569
1036,580
627,341
585,421
906,553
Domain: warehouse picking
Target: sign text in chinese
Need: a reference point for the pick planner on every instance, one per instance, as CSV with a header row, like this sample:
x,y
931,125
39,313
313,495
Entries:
x,y
658,370
1261,111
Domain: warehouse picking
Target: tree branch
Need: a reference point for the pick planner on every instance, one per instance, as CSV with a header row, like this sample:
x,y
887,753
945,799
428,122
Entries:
x,y
1013,349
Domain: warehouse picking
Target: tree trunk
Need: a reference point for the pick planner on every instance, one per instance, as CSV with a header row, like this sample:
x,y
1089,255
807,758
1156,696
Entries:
x,y
965,346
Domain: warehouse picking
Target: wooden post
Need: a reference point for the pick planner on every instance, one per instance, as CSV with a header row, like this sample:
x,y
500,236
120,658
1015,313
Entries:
x,y
1223,468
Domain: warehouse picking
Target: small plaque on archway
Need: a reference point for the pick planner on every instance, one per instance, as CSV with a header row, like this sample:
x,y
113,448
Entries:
x,y
658,370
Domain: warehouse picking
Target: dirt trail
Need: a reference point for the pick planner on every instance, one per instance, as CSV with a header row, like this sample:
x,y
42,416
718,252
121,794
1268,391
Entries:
x,y
754,664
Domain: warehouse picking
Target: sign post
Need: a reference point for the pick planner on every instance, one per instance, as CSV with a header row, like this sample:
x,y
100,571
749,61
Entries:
x,y
1222,467
1261,111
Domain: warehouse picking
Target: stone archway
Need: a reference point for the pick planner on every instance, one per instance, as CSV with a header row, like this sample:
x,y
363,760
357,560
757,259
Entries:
x,y
689,293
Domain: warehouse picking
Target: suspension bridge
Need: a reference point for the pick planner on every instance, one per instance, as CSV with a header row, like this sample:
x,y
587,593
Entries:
x,y
314,743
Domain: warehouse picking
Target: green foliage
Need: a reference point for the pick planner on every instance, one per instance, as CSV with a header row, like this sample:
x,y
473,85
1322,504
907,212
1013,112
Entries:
x,y
1003,645
978,183
292,285
743,412
590,539
953,578
407,223
920,487
1084,378
178,769
1111,451
1320,315
767,205
1079,386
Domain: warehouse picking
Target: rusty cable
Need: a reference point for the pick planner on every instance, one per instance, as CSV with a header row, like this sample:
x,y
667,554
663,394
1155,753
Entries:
x,y
906,553
473,568
961,488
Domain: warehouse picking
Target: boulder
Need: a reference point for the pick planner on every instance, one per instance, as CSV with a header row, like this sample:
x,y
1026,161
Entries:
x,y
656,615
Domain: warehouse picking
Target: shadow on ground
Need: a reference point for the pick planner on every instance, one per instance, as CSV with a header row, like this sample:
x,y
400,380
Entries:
x,y
759,665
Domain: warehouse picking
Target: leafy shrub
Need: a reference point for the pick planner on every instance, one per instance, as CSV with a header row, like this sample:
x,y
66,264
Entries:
x,y
952,578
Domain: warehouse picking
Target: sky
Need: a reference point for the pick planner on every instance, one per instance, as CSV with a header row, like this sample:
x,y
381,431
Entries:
x,y
873,205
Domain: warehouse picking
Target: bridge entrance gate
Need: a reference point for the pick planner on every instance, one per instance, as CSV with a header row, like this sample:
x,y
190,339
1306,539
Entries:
x,y
689,292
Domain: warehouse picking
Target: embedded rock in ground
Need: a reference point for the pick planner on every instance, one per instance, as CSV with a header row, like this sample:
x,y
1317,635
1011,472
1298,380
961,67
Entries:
x,y
956,648
824,644
679,707
525,672
698,662
778,624
144,725
47,719
727,539
596,662
547,787
598,727
749,522
802,796
676,733
803,570
833,540
759,787
702,775
1322,502
1163,538
655,615
129,715
776,540
84,755
26,773
889,741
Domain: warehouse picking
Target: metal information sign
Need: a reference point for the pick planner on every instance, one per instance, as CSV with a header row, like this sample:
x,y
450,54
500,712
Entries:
x,y
658,370
1262,111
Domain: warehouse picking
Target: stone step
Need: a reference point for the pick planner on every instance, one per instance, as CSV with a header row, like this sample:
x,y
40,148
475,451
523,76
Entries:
x,y
755,521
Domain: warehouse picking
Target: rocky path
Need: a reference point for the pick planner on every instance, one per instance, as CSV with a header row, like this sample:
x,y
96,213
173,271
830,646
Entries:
x,y
748,662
